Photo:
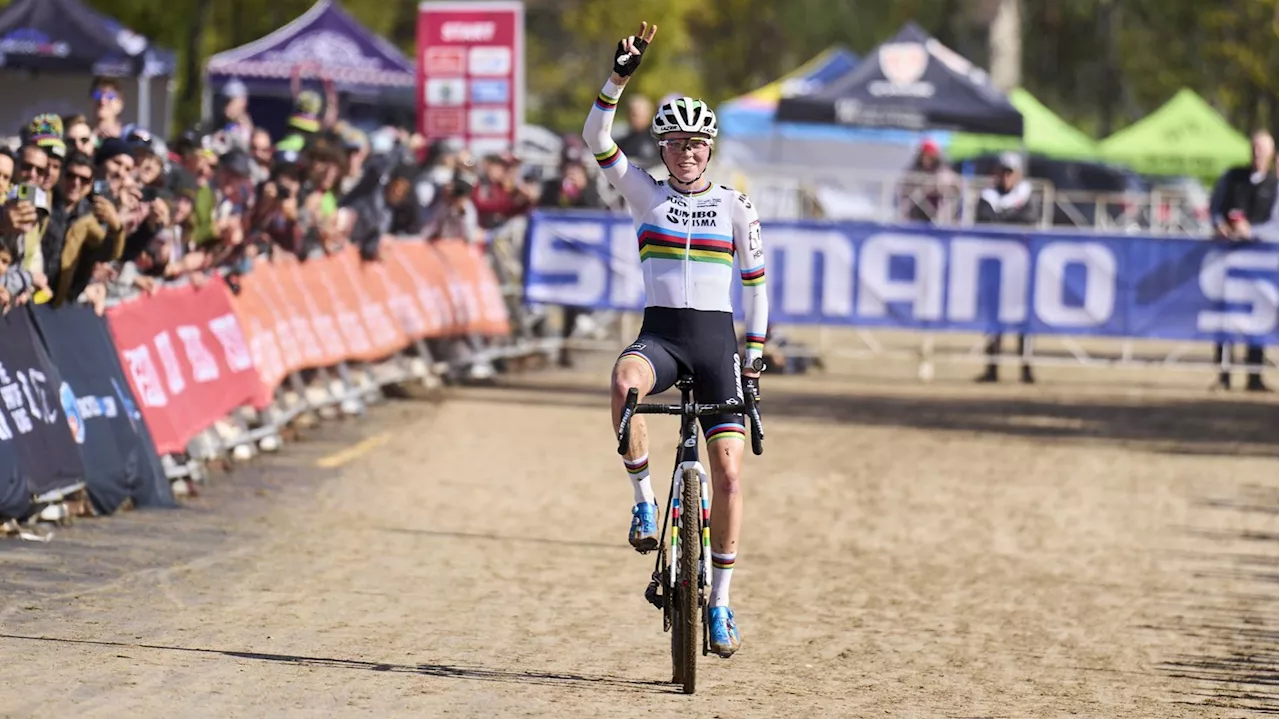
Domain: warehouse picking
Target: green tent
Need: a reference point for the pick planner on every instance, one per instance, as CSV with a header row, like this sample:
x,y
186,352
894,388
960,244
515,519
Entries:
x,y
1043,133
1185,136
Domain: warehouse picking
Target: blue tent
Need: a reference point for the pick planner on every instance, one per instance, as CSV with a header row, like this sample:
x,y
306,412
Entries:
x,y
752,113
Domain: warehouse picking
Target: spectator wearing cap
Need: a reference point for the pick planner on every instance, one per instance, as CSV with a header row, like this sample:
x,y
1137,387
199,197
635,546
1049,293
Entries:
x,y
234,193
191,179
70,202
501,195
304,123
148,157
455,216
237,126
45,131
108,105
323,161
443,158
928,191
1243,203
355,145
1009,201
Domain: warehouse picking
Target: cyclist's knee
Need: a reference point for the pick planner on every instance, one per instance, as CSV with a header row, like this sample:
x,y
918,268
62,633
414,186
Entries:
x,y
629,374
726,481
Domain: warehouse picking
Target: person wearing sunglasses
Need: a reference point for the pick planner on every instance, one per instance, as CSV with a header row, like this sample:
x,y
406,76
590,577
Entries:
x,y
108,104
78,134
691,234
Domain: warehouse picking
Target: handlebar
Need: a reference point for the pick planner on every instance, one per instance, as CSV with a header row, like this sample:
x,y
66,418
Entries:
x,y
750,392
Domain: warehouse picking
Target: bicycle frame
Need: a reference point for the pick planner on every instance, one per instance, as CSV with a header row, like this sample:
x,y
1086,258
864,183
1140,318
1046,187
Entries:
x,y
687,458
669,581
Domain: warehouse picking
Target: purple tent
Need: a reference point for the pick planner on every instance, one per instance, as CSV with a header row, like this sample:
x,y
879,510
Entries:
x,y
325,39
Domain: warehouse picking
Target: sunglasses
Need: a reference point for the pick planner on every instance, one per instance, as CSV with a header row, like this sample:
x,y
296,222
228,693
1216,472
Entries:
x,y
36,170
100,95
77,178
697,144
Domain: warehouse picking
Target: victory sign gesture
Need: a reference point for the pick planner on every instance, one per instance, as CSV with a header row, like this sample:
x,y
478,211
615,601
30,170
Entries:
x,y
630,50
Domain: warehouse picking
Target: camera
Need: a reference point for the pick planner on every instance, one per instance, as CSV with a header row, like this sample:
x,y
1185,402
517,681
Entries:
x,y
102,188
149,194
31,193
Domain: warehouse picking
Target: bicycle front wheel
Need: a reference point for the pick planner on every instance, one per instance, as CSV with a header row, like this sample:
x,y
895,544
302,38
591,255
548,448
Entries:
x,y
684,634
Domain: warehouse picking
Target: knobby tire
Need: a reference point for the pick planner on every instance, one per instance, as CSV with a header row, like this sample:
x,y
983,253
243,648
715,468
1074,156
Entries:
x,y
685,635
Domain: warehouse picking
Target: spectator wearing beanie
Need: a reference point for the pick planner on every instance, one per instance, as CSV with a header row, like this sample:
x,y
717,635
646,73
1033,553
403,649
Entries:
x,y
304,122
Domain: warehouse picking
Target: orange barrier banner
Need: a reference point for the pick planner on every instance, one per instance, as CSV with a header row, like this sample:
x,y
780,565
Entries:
x,y
298,315
330,343
259,328
430,279
474,287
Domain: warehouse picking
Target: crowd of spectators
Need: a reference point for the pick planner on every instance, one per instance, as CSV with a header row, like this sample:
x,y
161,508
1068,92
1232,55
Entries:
x,y
95,209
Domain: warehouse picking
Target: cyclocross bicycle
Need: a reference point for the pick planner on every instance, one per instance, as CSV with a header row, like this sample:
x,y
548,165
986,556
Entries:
x,y
682,572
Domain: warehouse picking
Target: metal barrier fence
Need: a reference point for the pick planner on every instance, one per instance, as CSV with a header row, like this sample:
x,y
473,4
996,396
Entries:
x,y
805,193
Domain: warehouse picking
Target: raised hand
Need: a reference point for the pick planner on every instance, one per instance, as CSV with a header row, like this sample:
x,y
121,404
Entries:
x,y
630,50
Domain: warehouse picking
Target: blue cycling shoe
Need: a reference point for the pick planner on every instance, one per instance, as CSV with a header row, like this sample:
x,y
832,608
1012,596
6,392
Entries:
x,y
644,527
725,639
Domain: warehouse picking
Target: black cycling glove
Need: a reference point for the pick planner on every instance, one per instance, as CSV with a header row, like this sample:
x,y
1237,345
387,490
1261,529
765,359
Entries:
x,y
624,63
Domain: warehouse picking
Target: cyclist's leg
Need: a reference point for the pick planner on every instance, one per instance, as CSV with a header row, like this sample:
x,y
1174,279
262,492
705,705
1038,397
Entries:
x,y
648,367
717,378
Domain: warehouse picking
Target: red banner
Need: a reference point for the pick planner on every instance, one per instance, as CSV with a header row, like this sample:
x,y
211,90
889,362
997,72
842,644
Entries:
x,y
186,358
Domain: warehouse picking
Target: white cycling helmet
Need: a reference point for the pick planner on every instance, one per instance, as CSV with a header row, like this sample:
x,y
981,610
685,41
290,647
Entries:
x,y
684,114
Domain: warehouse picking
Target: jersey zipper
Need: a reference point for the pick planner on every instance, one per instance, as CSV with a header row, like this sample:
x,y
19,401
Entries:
x,y
688,245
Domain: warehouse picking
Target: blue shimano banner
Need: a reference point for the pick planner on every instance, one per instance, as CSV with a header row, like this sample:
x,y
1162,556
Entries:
x,y
975,279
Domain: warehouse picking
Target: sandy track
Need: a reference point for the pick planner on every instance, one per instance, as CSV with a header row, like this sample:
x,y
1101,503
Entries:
x,y
910,552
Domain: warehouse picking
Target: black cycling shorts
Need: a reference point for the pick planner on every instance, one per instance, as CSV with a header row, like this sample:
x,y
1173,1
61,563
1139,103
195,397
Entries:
x,y
675,342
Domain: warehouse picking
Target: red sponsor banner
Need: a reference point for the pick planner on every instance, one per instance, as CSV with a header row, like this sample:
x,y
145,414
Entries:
x,y
187,359
471,72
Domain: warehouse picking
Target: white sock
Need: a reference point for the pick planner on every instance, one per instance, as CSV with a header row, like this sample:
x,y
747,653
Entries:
x,y
721,575
638,470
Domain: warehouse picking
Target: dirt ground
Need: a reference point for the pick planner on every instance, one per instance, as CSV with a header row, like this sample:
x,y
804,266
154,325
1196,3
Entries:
x,y
1078,548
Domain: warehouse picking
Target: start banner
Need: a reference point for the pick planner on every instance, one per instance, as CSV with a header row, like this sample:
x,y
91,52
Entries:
x,y
186,359
966,279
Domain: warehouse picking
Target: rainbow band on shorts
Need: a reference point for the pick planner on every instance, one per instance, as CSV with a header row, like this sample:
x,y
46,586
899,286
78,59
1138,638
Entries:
x,y
609,157
653,373
755,342
728,430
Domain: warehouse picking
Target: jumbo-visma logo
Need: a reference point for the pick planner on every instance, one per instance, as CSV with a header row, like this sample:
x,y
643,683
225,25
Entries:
x,y
74,419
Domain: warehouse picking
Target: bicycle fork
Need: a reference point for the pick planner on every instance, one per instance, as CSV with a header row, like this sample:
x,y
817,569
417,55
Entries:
x,y
679,514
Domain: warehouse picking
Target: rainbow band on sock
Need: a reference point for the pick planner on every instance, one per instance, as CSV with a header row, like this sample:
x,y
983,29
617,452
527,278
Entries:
x,y
722,561
753,277
609,157
637,466
606,103
755,342
728,430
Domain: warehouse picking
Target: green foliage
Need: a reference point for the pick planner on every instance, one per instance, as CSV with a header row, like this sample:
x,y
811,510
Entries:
x,y
716,49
